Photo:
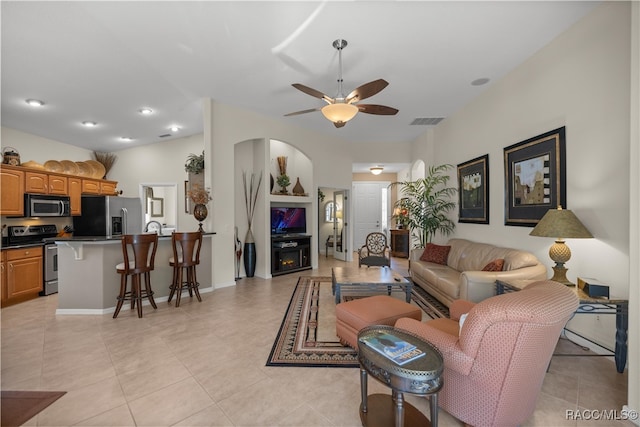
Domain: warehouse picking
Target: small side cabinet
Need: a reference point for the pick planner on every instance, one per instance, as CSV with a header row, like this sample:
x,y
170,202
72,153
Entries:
x,y
400,243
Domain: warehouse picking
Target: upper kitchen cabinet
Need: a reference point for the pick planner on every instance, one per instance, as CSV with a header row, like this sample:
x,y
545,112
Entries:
x,y
45,183
95,186
75,195
12,190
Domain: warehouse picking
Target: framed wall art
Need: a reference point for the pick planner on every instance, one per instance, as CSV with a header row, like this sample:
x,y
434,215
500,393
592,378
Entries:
x,y
473,191
535,177
187,200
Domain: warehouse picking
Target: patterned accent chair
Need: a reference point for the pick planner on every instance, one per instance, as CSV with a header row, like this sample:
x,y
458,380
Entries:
x,y
375,251
495,359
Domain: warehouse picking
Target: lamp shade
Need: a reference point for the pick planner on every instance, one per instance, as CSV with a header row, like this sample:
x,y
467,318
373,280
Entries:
x,y
339,112
560,223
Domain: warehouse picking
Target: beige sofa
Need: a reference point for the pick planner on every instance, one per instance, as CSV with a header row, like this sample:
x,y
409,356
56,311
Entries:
x,y
462,277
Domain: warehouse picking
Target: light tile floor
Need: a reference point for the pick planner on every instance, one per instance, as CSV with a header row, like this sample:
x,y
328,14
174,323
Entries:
x,y
203,364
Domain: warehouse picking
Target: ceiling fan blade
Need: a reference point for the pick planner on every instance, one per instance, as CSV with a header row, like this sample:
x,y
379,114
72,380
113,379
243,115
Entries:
x,y
366,90
312,92
302,112
382,110
339,124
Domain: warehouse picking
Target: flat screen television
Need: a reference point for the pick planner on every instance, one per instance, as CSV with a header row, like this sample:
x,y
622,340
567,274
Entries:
x,y
288,220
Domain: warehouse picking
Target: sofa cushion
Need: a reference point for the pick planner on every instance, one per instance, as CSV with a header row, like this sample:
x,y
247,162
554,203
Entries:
x,y
495,265
435,253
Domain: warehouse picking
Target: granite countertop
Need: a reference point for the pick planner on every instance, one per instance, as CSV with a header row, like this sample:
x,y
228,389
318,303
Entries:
x,y
103,238
22,246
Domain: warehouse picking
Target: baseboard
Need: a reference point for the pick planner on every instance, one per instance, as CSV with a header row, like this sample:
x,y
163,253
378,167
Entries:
x,y
101,311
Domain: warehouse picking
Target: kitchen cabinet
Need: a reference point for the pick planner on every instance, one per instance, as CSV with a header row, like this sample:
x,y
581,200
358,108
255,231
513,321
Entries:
x,y
96,186
17,180
11,192
45,183
22,276
75,196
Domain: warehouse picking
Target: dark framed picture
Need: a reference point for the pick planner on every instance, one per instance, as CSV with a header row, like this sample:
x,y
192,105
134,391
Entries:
x,y
187,200
535,178
473,191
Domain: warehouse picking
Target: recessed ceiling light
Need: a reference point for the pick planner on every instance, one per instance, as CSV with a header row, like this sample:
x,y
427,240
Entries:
x,y
174,128
89,124
126,139
34,102
480,82
145,111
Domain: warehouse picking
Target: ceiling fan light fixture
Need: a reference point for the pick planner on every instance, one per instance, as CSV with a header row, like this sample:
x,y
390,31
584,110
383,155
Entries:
x,y
339,112
376,170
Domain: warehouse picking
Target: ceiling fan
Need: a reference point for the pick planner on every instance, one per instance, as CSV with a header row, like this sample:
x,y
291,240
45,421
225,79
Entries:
x,y
341,109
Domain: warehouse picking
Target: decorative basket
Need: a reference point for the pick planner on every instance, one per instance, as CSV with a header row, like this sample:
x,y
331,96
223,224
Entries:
x,y
10,156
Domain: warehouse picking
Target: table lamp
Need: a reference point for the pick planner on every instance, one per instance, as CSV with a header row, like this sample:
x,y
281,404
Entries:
x,y
560,223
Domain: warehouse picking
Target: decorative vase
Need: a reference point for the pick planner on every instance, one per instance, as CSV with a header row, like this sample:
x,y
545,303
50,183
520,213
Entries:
x,y
249,254
298,189
272,183
200,213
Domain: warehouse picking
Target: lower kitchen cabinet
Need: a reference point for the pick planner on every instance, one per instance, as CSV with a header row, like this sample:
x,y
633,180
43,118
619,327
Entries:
x,y
21,274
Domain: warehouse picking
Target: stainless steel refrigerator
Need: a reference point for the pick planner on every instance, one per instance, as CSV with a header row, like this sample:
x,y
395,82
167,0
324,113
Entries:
x,y
108,216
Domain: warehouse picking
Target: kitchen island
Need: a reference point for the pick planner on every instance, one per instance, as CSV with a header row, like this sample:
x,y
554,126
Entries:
x,y
89,284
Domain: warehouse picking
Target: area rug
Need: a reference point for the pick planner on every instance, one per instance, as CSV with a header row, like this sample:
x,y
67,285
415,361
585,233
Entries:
x,y
18,407
307,335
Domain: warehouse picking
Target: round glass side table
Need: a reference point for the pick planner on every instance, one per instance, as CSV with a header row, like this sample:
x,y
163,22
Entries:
x,y
421,376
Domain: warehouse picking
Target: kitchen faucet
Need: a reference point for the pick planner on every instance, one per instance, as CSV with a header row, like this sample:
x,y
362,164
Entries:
x,y
159,229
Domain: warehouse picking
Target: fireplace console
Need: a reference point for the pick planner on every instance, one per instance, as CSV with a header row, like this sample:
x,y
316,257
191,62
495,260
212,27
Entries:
x,y
290,253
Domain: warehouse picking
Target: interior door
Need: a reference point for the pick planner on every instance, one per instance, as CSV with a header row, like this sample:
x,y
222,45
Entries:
x,y
340,224
367,210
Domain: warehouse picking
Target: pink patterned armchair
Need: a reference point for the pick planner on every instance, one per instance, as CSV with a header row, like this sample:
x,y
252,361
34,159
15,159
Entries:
x,y
494,364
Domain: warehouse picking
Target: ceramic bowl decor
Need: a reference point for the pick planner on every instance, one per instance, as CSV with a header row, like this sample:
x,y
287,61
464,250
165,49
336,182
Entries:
x,y
70,167
53,166
32,165
84,169
98,168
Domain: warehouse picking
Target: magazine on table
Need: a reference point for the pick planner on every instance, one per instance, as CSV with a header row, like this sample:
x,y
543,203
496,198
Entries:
x,y
394,348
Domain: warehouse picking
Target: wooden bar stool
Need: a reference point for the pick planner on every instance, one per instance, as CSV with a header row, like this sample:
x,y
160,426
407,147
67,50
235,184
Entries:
x,y
139,252
186,256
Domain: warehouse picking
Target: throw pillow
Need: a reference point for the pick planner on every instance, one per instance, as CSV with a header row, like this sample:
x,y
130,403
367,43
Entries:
x,y
495,265
435,253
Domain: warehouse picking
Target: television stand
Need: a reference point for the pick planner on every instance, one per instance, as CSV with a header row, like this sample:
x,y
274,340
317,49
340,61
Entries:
x,y
290,253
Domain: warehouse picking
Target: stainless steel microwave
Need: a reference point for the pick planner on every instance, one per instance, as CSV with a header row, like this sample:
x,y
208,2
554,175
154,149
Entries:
x,y
44,205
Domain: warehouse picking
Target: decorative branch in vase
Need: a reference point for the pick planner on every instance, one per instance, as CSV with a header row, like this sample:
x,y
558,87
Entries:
x,y
251,192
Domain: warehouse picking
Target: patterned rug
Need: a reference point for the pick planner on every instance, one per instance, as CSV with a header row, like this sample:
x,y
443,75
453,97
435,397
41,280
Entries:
x,y
307,335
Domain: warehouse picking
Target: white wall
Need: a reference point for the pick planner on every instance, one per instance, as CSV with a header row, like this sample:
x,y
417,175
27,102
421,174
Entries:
x,y
634,229
581,80
38,149
162,162
331,157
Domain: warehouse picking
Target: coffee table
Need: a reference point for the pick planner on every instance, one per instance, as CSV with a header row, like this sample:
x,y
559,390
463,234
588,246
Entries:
x,y
422,377
359,280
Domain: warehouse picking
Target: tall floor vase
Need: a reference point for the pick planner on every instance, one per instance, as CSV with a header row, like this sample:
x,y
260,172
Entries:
x,y
249,254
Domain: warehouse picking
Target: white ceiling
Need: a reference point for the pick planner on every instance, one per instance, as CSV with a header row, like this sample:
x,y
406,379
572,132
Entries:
x,y
103,61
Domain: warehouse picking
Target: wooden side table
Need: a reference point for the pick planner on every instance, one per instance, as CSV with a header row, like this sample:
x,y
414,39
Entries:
x,y
400,243
590,305
422,377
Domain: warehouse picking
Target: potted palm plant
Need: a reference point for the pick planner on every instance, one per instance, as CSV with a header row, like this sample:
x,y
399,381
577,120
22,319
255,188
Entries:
x,y
426,203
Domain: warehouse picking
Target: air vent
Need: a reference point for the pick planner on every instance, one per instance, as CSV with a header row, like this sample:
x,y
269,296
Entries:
x,y
165,135
427,121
